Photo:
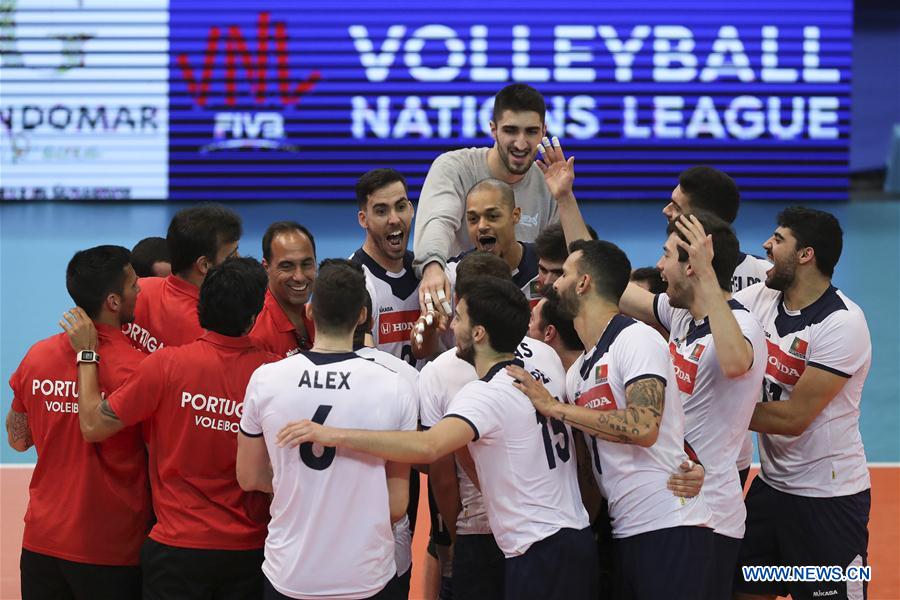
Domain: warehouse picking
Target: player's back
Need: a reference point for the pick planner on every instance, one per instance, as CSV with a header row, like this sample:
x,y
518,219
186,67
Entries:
x,y
330,533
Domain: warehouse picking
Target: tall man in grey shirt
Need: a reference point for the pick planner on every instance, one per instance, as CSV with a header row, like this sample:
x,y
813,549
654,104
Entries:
x,y
440,232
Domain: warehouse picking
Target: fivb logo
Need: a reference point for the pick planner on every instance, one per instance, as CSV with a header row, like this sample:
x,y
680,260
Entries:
x,y
247,129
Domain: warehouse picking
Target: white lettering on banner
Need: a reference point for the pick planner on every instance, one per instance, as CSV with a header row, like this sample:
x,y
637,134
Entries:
x,y
672,47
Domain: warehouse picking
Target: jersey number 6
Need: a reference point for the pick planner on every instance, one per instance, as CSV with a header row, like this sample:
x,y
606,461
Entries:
x,y
309,458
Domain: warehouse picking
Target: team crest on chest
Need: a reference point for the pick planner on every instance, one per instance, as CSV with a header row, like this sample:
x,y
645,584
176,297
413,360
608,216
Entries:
x,y
698,351
601,373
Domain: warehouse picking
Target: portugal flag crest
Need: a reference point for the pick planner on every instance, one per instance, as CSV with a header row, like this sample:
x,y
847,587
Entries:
x,y
799,347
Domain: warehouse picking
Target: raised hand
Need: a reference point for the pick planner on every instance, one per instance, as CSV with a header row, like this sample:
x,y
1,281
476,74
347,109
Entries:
x,y
559,172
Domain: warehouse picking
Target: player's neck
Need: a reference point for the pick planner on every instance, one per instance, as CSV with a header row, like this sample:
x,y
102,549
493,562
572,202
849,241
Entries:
x,y
487,358
333,343
498,169
513,255
107,318
392,265
568,357
806,289
193,277
593,316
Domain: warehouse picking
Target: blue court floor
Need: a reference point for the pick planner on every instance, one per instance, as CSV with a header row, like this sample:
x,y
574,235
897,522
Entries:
x,y
37,240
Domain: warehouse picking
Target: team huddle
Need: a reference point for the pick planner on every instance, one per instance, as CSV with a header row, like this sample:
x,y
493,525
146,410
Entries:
x,y
236,429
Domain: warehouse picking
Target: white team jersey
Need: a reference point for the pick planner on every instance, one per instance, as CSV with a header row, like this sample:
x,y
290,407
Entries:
x,y
750,270
395,305
717,409
632,478
402,534
440,381
524,275
330,533
828,458
525,462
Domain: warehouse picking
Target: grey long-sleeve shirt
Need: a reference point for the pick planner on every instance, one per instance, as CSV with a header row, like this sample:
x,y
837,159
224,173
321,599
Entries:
x,y
440,230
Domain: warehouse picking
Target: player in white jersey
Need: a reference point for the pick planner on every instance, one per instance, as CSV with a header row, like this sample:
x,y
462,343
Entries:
x,y
525,463
810,505
478,563
323,541
712,190
386,213
719,354
624,395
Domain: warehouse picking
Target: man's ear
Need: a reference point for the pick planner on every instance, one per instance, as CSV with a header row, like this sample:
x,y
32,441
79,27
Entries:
x,y
203,265
308,308
362,220
550,333
113,302
479,334
493,127
807,255
517,214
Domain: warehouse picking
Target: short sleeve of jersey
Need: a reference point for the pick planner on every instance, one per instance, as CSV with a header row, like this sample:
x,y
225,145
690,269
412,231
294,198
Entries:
x,y
474,406
137,399
15,383
250,421
662,310
841,345
640,352
431,396
409,411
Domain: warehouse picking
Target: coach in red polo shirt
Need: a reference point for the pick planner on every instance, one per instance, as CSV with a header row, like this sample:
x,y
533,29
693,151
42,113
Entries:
x,y
89,505
289,256
199,238
209,535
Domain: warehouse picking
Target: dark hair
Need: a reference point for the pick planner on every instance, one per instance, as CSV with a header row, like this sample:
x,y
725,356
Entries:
x,y
338,295
279,227
146,253
507,194
519,97
607,265
200,231
652,276
550,315
95,273
818,230
232,295
359,335
374,180
480,264
551,243
711,190
501,308
726,249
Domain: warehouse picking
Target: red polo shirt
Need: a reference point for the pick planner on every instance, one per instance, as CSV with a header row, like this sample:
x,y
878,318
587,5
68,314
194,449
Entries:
x,y
274,332
165,314
193,396
89,503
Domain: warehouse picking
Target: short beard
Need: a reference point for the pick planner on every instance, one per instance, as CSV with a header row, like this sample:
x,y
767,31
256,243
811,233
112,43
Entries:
x,y
504,158
782,277
567,305
466,354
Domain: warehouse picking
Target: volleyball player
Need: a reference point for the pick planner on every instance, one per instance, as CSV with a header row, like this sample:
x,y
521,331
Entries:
x,y
199,238
89,505
208,537
810,505
330,534
289,257
525,464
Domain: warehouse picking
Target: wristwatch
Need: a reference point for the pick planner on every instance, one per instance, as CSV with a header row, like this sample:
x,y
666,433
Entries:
x,y
87,356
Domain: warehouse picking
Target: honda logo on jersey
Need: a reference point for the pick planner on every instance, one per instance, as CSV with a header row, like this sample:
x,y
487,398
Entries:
x,y
396,326
798,347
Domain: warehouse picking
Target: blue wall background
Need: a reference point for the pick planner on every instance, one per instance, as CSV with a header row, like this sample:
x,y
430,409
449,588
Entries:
x,y
37,240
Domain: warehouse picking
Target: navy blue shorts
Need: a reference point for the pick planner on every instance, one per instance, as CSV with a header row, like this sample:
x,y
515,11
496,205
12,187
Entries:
x,y
478,568
786,529
721,570
670,563
560,567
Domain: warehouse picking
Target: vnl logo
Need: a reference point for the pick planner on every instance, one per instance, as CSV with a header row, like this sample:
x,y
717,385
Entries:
x,y
244,75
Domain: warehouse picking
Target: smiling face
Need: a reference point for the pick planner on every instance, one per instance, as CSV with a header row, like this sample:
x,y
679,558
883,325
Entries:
x,y
462,329
387,220
291,268
517,135
783,253
674,275
491,221
566,287
679,204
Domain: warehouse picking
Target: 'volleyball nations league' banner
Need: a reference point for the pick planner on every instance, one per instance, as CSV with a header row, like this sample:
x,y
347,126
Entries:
x,y
284,100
